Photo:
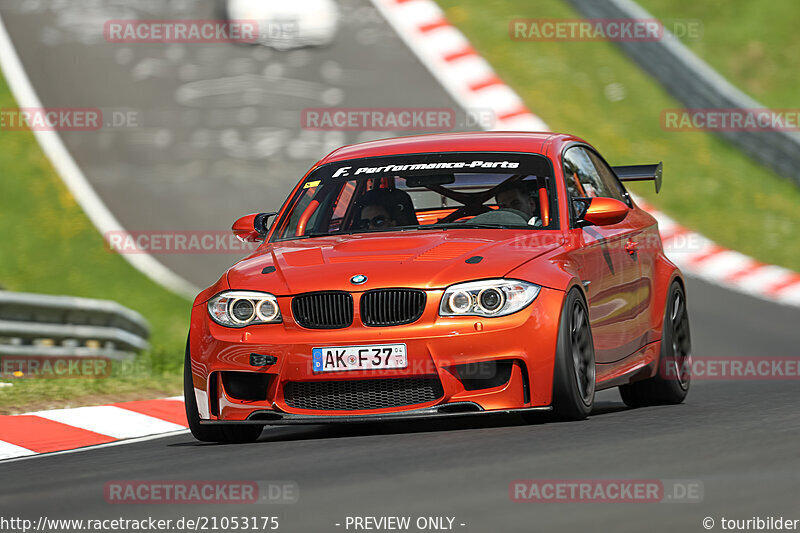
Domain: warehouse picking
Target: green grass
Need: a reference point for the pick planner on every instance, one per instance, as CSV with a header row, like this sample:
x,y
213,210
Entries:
x,y
708,186
50,246
753,44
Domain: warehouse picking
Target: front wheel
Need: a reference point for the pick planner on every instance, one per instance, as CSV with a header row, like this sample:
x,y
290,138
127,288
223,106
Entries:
x,y
670,385
227,434
574,373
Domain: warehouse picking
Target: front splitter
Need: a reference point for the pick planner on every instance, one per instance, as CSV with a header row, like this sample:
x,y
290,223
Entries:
x,y
462,409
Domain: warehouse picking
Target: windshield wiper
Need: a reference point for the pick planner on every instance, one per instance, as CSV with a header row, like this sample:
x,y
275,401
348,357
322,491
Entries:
x,y
444,225
315,234
467,225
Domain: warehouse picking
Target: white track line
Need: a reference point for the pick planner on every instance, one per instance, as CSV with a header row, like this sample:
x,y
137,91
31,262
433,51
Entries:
x,y
110,420
73,177
11,451
33,455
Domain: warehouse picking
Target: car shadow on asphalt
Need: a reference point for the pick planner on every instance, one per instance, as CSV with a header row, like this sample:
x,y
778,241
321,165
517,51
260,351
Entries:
x,y
287,433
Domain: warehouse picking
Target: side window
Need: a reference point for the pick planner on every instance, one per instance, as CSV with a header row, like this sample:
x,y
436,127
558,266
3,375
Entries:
x,y
583,179
610,181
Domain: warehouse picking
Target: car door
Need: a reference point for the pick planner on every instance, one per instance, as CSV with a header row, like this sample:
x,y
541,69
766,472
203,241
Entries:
x,y
642,237
607,270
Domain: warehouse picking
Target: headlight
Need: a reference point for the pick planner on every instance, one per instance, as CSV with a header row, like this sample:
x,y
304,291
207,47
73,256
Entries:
x,y
492,297
237,309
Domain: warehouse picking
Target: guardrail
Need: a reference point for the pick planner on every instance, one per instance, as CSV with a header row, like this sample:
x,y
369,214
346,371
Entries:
x,y
60,326
698,86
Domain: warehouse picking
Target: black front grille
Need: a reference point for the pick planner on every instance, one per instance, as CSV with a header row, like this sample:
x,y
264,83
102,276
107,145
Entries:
x,y
323,310
391,307
353,395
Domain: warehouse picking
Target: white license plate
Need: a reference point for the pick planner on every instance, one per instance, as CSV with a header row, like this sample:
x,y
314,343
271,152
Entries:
x,y
338,358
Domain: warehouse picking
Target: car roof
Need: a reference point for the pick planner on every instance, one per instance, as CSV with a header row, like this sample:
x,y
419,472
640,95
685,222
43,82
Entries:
x,y
484,141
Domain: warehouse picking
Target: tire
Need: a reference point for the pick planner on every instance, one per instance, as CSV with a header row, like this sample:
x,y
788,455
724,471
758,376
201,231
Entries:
x,y
574,372
227,434
671,384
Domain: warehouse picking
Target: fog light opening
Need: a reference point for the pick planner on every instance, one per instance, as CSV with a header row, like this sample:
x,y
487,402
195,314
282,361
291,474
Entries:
x,y
484,374
246,386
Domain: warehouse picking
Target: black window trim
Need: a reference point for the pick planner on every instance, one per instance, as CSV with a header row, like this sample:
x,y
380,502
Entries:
x,y
571,211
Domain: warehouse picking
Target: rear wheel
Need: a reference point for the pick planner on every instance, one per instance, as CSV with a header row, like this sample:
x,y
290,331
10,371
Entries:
x,y
671,384
574,373
228,434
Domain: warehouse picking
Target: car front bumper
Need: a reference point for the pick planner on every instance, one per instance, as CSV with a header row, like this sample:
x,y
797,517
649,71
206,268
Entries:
x,y
438,349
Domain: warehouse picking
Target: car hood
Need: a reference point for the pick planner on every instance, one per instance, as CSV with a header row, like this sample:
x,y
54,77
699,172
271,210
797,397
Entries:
x,y
426,259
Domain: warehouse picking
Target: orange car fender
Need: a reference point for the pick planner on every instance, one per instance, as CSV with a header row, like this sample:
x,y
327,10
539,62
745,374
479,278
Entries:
x,y
553,269
199,343
556,273
221,285
664,273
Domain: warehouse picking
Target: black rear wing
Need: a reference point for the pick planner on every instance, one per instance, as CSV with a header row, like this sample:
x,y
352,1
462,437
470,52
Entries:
x,y
640,173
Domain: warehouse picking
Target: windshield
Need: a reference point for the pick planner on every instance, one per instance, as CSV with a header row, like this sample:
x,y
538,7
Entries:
x,y
423,191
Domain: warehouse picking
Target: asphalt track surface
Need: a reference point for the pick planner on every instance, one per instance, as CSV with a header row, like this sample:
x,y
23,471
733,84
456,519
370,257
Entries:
x,y
739,439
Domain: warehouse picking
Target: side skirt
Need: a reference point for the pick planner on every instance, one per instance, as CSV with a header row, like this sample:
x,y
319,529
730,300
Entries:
x,y
636,367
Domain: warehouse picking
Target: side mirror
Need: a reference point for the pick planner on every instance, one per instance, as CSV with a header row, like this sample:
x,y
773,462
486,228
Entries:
x,y
602,211
252,227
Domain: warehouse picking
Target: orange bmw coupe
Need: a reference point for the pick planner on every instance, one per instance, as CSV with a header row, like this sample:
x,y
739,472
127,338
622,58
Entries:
x,y
436,276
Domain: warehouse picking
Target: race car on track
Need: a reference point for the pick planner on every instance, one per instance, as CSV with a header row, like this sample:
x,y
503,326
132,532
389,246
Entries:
x,y
441,275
